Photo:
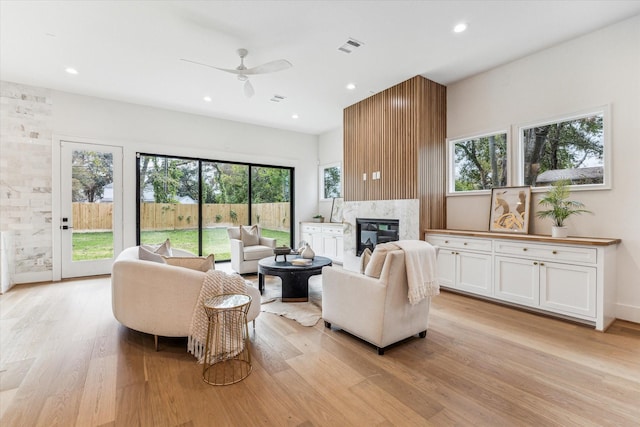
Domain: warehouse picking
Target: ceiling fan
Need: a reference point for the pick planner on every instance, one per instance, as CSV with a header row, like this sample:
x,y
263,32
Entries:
x,y
243,72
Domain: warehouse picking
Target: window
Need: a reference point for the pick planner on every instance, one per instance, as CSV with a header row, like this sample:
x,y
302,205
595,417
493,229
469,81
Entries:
x,y
570,148
330,181
478,163
193,201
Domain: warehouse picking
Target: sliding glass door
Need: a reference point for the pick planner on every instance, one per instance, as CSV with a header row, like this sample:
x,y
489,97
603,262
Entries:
x,y
194,201
271,202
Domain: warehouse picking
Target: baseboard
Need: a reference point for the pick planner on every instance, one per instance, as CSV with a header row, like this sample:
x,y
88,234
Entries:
x,y
627,312
34,277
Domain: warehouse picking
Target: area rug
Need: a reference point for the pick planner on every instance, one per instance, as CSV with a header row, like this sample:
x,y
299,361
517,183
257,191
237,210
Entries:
x,y
305,313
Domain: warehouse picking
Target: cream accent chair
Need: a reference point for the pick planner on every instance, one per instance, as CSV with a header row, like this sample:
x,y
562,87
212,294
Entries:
x,y
247,250
158,298
374,309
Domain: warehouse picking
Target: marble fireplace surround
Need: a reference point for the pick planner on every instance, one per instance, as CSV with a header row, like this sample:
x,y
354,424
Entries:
x,y
406,211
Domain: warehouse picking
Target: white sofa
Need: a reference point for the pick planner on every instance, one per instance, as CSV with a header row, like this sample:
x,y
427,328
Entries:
x,y
158,298
374,309
244,255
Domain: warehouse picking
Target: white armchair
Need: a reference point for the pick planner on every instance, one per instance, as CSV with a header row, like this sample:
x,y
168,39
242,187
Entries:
x,y
248,247
374,309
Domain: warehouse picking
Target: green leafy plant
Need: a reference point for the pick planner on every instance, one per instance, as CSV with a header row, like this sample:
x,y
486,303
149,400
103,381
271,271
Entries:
x,y
560,208
234,216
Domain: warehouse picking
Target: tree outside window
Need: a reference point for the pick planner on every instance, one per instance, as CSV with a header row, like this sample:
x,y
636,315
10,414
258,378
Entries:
x,y
479,163
331,177
570,149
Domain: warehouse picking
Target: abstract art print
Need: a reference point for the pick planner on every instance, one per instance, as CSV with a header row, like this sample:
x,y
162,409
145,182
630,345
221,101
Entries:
x,y
510,209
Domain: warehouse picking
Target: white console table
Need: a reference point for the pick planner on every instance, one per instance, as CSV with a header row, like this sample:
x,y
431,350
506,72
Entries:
x,y
573,277
326,239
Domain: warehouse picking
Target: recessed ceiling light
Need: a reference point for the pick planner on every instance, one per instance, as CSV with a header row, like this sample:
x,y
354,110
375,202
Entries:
x,y
294,116
71,70
351,86
207,99
460,27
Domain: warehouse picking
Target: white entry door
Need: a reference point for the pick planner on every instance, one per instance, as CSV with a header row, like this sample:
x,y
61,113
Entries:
x,y
90,207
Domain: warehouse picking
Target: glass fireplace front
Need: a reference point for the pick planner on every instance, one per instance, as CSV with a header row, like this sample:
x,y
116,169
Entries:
x,y
371,231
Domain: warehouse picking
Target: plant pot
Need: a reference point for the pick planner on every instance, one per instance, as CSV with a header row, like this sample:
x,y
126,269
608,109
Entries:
x,y
559,231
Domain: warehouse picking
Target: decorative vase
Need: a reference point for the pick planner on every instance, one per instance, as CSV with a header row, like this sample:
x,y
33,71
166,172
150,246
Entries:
x,y
559,231
307,253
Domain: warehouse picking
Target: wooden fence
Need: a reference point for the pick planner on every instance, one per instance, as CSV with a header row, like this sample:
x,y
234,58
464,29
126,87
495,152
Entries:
x,y
173,216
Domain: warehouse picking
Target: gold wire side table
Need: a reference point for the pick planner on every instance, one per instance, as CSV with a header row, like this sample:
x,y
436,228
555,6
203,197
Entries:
x,y
227,357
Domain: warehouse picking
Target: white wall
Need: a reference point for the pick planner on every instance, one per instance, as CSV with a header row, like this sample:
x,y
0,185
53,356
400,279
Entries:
x,y
144,129
329,151
597,69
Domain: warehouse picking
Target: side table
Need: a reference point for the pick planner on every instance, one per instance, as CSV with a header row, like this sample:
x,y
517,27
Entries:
x,y
227,357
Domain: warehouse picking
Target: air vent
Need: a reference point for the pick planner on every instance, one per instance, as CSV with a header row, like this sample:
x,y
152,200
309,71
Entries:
x,y
278,98
350,46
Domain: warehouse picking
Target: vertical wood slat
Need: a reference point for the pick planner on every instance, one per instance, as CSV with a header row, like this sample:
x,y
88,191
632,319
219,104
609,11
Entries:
x,y
400,132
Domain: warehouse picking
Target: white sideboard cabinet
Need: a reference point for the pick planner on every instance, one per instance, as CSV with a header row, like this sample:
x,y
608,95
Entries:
x,y
573,278
326,239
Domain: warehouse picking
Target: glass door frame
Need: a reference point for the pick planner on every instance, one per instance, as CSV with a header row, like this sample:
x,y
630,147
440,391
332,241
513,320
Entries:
x,y
57,210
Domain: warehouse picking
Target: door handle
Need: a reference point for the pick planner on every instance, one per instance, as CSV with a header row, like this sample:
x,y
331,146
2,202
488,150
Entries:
x,y
65,227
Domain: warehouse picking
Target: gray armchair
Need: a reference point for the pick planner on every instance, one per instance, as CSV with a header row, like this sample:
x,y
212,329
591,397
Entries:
x,y
248,247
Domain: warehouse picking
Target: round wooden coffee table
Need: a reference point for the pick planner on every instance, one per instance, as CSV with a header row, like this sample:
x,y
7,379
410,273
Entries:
x,y
295,279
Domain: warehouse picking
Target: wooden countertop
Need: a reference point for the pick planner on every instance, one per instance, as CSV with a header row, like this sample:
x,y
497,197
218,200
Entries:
x,y
592,241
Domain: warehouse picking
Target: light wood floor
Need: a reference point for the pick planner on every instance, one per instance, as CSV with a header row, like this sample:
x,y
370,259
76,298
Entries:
x,y
66,361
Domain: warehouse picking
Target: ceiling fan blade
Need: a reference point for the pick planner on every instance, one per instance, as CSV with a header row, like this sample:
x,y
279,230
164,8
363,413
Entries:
x,y
248,89
200,63
269,67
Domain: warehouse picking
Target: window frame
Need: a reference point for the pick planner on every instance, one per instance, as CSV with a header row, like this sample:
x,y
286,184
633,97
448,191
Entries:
x,y
321,170
451,143
605,110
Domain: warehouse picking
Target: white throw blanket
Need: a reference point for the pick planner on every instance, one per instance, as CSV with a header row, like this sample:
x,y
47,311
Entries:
x,y
420,262
215,283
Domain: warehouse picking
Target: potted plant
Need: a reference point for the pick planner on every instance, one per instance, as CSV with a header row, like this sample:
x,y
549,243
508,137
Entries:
x,y
560,208
318,218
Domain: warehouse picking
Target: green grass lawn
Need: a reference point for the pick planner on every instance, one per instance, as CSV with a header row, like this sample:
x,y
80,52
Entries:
x,y
90,246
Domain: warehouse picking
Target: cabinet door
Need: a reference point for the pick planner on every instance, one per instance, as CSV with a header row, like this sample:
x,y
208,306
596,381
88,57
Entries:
x,y
568,289
473,273
306,237
517,280
446,267
317,244
330,247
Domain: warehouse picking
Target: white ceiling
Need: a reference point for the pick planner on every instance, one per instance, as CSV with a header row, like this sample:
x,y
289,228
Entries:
x,y
130,50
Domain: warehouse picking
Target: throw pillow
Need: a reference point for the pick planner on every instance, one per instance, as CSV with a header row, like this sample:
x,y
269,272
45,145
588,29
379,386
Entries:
x,y
365,257
250,236
154,252
374,267
199,263
234,232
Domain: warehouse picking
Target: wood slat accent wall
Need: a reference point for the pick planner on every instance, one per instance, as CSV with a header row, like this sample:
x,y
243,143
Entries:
x,y
401,133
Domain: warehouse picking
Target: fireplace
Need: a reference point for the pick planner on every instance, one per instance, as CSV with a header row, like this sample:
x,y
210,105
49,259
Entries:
x,y
371,231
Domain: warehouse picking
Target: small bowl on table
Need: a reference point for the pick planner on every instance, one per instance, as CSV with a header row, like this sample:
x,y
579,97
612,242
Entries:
x,y
281,251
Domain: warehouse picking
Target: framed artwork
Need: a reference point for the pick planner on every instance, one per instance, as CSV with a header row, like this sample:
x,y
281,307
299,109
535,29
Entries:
x,y
336,209
510,209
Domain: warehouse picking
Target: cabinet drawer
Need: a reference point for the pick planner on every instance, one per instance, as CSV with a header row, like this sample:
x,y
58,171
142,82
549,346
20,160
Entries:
x,y
547,252
311,228
333,230
468,243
